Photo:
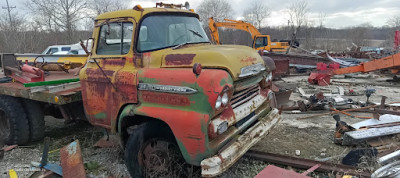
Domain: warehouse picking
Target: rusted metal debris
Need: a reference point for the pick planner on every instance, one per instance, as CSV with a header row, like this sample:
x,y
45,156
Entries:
x,y
72,161
282,67
282,96
272,171
341,128
298,59
9,148
334,112
370,129
43,164
322,101
389,170
306,163
110,141
5,149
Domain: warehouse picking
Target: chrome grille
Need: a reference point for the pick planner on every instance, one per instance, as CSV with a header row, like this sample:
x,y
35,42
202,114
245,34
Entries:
x,y
244,95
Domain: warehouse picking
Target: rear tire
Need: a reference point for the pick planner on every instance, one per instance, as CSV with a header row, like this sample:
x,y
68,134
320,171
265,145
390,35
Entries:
x,y
36,120
150,152
14,126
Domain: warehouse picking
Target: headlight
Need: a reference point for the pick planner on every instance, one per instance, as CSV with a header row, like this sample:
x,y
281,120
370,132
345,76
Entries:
x,y
218,102
225,99
222,99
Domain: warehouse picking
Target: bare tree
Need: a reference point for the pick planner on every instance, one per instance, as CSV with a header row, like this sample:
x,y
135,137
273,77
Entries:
x,y
59,14
10,26
256,13
394,21
219,9
298,11
360,34
102,6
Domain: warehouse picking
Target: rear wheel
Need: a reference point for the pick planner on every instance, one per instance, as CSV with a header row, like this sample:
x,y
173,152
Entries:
x,y
36,120
4,126
150,153
14,127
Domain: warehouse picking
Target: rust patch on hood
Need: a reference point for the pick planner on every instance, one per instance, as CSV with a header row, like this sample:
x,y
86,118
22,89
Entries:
x,y
179,59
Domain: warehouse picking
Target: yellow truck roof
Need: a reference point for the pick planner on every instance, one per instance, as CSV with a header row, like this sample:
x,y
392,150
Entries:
x,y
137,14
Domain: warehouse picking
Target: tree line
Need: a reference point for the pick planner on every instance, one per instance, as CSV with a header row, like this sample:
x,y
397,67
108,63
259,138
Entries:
x,y
54,22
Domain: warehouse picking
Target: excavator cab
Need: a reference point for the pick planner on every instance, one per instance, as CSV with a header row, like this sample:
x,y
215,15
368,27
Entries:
x,y
261,42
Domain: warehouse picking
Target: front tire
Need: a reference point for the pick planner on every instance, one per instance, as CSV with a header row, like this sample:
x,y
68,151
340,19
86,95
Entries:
x,y
150,152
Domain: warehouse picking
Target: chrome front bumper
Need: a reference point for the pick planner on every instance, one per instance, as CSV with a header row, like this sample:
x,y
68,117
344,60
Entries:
x,y
219,163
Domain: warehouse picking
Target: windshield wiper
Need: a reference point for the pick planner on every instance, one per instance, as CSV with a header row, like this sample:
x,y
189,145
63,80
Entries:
x,y
186,43
196,33
180,45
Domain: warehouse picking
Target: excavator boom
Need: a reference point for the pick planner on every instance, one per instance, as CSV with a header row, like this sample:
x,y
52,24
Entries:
x,y
233,24
260,42
388,62
376,64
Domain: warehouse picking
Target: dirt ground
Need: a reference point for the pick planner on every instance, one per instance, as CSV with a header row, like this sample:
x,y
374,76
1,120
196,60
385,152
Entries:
x,y
312,137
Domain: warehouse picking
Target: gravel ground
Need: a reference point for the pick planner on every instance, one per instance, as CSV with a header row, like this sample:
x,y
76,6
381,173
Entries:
x,y
312,137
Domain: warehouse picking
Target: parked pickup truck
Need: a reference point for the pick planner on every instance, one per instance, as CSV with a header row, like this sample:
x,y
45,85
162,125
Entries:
x,y
154,79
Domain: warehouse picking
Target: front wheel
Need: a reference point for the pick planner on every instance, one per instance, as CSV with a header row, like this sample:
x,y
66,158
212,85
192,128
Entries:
x,y
149,153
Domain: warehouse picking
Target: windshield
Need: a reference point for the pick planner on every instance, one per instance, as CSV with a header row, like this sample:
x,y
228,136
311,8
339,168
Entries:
x,y
162,31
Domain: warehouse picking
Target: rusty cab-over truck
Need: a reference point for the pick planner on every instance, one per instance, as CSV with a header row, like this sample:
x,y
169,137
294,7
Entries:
x,y
154,78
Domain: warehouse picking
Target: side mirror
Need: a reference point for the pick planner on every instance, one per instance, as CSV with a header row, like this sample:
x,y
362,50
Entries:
x,y
87,47
89,44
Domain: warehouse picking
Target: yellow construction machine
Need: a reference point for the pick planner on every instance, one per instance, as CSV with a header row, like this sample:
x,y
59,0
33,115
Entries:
x,y
260,42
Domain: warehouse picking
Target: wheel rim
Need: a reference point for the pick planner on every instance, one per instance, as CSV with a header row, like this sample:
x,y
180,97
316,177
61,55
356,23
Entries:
x,y
4,126
162,159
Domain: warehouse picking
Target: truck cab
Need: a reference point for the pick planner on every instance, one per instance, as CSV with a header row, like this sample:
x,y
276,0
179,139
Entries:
x,y
154,78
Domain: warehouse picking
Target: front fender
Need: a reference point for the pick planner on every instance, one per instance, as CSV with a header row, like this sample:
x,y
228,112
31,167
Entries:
x,y
189,128
187,115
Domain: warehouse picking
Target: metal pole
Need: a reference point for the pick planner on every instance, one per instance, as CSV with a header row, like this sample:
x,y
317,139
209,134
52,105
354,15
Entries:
x,y
9,8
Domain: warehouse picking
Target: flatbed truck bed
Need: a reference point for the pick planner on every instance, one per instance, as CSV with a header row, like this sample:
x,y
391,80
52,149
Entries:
x,y
62,97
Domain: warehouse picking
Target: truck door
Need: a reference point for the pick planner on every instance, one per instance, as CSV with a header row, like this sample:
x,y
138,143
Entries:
x,y
109,79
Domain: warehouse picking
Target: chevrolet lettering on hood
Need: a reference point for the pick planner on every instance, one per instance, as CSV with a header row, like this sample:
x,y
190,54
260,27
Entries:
x,y
166,88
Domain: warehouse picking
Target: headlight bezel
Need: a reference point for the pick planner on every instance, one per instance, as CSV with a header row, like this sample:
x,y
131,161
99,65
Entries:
x,y
223,98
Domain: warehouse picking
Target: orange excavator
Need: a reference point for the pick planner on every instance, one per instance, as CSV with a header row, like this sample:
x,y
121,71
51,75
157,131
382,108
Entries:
x,y
260,42
322,77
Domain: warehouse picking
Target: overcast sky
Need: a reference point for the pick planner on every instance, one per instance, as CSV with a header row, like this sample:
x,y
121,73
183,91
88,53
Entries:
x,y
339,13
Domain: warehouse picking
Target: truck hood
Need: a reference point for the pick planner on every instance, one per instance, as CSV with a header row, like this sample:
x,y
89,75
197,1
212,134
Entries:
x,y
228,57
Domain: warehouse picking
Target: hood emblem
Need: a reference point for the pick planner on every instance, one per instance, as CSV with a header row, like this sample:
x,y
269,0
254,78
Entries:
x,y
251,70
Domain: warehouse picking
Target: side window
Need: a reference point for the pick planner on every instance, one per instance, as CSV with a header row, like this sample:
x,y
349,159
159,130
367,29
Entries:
x,y
261,42
65,48
265,41
115,38
52,50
